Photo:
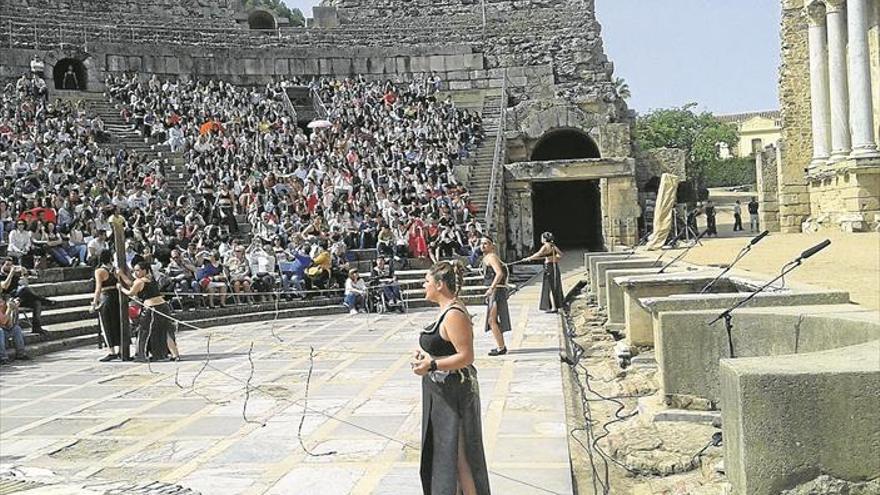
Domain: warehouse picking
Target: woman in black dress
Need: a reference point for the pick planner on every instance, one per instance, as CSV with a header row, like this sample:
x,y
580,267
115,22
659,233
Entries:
x,y
155,328
497,313
452,460
106,302
551,290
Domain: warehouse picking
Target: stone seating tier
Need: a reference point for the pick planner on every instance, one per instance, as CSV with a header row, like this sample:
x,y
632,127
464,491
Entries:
x,y
388,32
70,324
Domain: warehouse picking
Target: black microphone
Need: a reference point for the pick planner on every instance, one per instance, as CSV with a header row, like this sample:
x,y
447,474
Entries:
x,y
815,249
759,237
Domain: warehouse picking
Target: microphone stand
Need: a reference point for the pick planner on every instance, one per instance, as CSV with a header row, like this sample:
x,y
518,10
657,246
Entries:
x,y
739,256
682,254
727,315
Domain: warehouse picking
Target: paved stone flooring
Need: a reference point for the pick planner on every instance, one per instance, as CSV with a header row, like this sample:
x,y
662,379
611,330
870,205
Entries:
x,y
185,423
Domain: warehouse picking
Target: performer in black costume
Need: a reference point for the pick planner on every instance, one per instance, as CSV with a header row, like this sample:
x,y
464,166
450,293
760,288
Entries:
x,y
497,313
106,302
453,460
155,328
551,290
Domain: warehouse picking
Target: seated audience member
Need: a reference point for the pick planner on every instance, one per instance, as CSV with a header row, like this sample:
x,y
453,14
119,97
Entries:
x,y
355,292
20,247
384,275
9,328
11,285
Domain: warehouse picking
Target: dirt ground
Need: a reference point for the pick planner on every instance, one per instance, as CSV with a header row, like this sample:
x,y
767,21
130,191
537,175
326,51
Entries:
x,y
851,262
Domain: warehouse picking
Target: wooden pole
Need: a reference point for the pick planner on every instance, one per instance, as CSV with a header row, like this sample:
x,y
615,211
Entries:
x,y
117,221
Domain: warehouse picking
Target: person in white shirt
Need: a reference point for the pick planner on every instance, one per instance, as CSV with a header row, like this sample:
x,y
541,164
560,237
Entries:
x,y
96,246
355,292
21,247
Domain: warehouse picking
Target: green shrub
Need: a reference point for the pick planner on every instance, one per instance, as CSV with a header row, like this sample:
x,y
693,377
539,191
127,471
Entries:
x,y
730,172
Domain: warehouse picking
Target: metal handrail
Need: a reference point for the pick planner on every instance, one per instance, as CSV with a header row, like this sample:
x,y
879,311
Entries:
x,y
289,104
318,103
497,157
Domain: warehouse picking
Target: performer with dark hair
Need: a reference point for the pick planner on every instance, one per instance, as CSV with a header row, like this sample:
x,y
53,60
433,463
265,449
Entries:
x,y
497,313
453,460
551,290
155,328
106,302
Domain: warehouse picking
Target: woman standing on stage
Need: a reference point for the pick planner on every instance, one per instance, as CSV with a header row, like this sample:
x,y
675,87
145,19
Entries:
x,y
497,313
155,328
551,290
452,459
106,302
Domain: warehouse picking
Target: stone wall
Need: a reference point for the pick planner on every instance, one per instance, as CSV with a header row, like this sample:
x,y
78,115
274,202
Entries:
x,y
847,200
766,163
170,9
655,162
797,135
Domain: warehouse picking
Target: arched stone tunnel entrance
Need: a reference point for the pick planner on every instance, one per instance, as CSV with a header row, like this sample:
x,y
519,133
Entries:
x,y
75,79
262,20
571,209
564,144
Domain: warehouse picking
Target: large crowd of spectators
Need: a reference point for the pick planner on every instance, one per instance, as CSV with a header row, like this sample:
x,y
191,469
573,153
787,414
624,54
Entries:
x,y
375,171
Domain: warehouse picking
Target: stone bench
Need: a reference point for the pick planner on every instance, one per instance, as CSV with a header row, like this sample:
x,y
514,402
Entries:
x,y
638,321
792,418
688,350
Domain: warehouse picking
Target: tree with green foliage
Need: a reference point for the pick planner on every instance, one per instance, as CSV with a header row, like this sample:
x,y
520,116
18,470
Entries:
x,y
698,134
622,88
279,8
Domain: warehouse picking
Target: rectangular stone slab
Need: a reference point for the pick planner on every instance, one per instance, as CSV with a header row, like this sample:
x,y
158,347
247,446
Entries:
x,y
639,325
789,419
603,267
688,350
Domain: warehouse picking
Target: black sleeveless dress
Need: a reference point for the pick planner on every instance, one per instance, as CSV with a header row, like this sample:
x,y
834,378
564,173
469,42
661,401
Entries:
x,y
109,316
498,299
450,402
154,325
552,286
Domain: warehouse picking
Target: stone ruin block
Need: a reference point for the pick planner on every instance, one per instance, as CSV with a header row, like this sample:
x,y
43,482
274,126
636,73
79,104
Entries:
x,y
688,350
789,419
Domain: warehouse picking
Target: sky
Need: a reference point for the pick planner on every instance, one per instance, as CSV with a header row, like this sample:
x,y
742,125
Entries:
x,y
721,54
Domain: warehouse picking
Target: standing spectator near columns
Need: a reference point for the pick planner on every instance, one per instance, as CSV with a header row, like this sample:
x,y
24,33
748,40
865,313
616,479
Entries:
x,y
737,217
711,228
753,215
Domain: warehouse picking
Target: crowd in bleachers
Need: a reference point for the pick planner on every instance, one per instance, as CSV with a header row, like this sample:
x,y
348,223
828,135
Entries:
x,y
375,172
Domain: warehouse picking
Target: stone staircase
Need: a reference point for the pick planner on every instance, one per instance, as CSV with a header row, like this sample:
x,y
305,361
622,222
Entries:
x,y
480,162
123,136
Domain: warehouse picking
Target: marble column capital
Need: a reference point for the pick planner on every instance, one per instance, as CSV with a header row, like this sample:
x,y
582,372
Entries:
x,y
835,6
815,10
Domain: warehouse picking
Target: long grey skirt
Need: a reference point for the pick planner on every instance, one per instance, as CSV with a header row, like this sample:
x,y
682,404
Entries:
x,y
552,287
447,407
499,299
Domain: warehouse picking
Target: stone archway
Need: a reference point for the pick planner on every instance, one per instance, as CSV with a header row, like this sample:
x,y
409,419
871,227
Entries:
x,y
565,144
70,74
261,20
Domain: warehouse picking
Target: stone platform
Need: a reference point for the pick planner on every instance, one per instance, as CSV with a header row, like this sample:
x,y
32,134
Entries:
x,y
78,423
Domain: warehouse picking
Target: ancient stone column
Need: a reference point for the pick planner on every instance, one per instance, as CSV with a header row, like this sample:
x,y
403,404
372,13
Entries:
x,y
860,104
821,111
840,136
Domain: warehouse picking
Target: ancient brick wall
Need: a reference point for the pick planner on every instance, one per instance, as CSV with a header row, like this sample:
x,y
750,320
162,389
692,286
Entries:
x,y
797,136
179,10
